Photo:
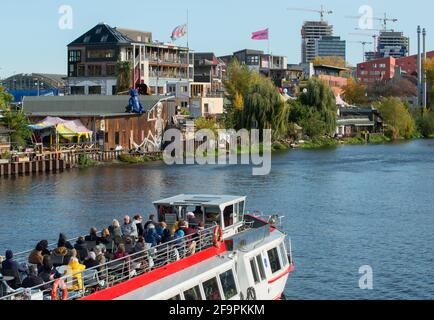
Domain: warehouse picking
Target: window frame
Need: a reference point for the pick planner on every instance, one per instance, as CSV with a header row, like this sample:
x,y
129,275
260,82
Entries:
x,y
237,289
278,260
201,293
217,278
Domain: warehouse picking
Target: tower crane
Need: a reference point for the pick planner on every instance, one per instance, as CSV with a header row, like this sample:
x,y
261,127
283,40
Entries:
x,y
363,43
383,20
322,12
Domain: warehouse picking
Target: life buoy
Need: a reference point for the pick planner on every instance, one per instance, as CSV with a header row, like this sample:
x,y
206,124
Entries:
x,y
218,236
54,291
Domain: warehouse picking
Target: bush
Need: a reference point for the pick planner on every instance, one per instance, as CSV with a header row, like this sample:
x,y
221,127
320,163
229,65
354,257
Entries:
x,y
5,155
425,124
84,161
127,158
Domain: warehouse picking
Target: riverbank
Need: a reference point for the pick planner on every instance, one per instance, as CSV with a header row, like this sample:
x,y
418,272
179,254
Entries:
x,y
332,142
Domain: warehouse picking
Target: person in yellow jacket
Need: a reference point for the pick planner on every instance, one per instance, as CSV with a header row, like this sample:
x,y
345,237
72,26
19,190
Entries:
x,y
73,269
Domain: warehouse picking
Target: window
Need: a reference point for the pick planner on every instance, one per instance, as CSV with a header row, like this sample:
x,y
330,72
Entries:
x,y
94,70
116,138
228,284
98,31
104,38
77,90
273,256
81,71
193,294
74,56
254,270
228,216
114,90
175,298
86,39
94,89
212,216
211,289
261,267
206,108
111,70
101,54
283,254
106,137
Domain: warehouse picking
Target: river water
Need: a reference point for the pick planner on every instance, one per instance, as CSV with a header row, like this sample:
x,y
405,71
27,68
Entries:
x,y
345,207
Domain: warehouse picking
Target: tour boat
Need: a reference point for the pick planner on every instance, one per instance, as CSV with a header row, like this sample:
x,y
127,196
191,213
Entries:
x,y
235,256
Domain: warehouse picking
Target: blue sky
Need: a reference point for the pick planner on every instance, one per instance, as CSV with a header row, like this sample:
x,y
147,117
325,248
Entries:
x,y
31,40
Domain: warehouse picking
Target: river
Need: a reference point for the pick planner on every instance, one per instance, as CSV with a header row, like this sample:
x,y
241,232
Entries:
x,y
344,208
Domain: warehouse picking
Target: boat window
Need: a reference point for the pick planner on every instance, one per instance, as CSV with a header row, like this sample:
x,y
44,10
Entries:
x,y
283,254
228,216
211,289
193,294
175,298
212,216
241,211
273,256
254,270
261,267
228,284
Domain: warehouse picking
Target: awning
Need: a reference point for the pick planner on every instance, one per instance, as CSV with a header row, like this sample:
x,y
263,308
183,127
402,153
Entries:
x,y
68,129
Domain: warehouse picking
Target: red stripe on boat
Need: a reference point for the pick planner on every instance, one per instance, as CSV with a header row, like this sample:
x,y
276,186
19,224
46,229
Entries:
x,y
289,270
155,275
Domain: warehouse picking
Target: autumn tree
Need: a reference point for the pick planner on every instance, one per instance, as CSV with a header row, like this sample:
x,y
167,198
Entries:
x,y
354,92
400,123
331,61
124,76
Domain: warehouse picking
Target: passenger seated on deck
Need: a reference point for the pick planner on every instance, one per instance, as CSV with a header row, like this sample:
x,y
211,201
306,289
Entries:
x,y
186,228
48,272
140,245
191,219
92,236
44,246
61,251
129,248
105,238
151,220
33,280
36,256
120,252
90,261
100,258
65,242
129,228
81,248
138,220
151,236
74,266
163,232
115,229
176,226
11,267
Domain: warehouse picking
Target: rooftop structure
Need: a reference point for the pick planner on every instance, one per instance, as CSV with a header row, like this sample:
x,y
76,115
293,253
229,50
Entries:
x,y
310,33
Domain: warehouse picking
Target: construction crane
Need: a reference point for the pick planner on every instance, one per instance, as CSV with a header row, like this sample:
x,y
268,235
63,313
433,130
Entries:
x,y
384,20
374,36
322,12
363,43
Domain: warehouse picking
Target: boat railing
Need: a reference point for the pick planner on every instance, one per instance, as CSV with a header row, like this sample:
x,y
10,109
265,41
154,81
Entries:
x,y
114,272
275,220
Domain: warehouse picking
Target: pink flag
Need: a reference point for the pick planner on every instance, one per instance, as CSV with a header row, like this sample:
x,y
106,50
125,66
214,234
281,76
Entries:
x,y
260,35
179,32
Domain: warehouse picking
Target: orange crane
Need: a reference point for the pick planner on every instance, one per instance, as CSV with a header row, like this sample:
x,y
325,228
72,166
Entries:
x,y
322,12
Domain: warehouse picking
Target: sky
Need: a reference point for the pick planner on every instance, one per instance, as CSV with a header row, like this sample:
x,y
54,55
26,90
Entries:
x,y
32,41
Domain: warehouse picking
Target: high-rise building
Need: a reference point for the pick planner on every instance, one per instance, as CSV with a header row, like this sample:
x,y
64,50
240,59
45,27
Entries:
x,y
330,46
310,33
393,44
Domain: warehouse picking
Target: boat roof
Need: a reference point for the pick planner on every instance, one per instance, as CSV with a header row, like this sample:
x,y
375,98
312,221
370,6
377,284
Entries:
x,y
201,199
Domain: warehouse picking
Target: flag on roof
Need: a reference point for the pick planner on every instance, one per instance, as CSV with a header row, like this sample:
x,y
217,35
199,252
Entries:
x,y
179,32
260,35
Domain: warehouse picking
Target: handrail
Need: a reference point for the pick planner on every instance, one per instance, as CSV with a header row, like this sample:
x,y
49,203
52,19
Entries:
x,y
116,271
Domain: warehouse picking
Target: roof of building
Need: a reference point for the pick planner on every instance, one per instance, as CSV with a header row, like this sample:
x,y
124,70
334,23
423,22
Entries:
x,y
53,79
250,51
102,34
84,106
330,67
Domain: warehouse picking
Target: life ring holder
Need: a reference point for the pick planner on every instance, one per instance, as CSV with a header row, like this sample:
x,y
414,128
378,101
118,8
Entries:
x,y
54,291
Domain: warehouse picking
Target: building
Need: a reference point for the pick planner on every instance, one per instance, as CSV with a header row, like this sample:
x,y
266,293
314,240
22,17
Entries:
x,y
373,71
106,117
5,140
206,106
257,60
393,44
160,68
310,33
35,84
330,46
353,120
209,69
408,65
335,77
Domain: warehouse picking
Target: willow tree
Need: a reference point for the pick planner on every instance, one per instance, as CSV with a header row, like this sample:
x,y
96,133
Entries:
x,y
265,109
124,76
319,95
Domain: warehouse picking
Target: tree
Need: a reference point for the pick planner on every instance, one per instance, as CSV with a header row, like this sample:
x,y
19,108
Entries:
x,y
16,121
429,66
308,118
397,87
124,76
399,122
354,92
264,109
425,124
319,95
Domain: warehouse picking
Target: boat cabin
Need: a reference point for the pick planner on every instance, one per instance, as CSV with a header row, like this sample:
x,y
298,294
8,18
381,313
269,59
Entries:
x,y
226,211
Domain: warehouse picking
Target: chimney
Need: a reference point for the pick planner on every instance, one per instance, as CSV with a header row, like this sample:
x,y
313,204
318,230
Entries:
x,y
419,71
424,84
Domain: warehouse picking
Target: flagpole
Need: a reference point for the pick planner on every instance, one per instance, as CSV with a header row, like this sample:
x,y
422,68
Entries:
x,y
188,55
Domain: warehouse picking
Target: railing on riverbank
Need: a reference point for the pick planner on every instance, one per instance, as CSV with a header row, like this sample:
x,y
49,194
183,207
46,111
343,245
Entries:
x,y
117,271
